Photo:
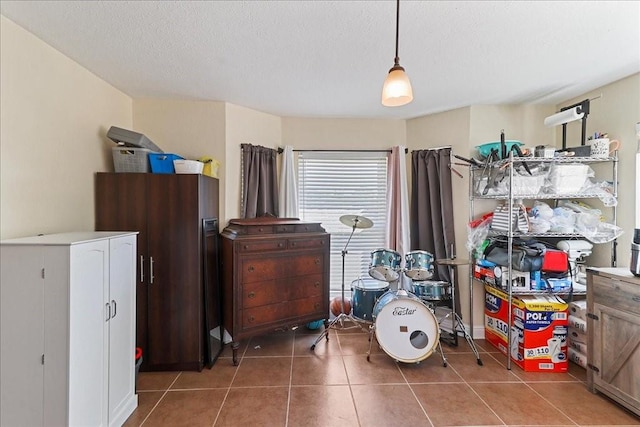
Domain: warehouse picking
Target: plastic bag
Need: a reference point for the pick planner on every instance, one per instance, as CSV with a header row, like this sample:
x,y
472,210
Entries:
x,y
477,233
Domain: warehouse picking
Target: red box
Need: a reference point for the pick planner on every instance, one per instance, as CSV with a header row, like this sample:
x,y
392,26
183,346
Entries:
x,y
538,329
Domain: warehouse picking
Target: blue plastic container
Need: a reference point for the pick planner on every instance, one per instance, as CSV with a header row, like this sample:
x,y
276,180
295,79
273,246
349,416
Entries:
x,y
163,162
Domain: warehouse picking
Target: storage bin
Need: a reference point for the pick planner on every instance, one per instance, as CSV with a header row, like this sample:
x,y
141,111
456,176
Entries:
x,y
568,178
163,162
188,166
130,159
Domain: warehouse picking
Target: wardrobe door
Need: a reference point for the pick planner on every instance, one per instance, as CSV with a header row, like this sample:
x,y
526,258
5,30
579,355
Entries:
x,y
175,284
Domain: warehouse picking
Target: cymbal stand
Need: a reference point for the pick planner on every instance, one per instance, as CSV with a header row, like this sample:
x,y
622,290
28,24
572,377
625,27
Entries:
x,y
340,318
456,323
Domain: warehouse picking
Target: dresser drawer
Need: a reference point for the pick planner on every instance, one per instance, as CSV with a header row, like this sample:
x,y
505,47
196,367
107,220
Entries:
x,y
616,293
306,243
267,292
258,316
303,265
262,245
257,270
262,229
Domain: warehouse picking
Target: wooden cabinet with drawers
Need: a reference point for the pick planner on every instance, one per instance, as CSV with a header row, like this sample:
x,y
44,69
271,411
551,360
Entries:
x,y
613,325
275,275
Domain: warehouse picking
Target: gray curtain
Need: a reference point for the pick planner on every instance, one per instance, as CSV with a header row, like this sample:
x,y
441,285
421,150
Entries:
x,y
432,227
259,182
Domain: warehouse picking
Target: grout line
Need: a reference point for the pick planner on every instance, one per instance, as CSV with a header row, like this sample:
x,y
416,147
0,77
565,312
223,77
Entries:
x,y
346,371
293,350
414,394
224,400
160,400
551,403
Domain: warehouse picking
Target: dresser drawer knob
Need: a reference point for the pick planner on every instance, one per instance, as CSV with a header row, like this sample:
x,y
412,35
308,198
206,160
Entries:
x,y
261,229
251,268
251,294
317,261
316,305
317,284
246,247
282,244
251,319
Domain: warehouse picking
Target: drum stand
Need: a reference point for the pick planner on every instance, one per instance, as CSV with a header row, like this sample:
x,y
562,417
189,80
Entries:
x,y
340,318
456,322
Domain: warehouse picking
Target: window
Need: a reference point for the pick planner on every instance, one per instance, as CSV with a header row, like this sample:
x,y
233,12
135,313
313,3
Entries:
x,y
332,184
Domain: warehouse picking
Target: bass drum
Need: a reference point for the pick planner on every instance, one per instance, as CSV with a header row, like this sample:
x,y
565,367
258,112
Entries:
x,y
405,328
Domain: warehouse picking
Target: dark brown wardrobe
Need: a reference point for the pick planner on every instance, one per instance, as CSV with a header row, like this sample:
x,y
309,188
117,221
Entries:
x,y
177,295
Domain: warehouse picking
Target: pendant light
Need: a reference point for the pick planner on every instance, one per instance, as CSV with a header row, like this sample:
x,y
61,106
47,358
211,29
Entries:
x,y
396,90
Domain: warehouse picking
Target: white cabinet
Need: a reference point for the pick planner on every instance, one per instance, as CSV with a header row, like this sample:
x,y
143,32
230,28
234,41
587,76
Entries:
x,y
67,329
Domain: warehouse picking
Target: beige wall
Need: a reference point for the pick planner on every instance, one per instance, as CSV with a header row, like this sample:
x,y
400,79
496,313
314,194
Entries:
x,y
615,113
190,129
54,116
245,126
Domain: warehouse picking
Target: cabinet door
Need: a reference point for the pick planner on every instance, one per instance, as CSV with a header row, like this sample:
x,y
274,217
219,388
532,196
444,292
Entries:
x,y
21,337
175,290
121,205
122,270
617,353
88,333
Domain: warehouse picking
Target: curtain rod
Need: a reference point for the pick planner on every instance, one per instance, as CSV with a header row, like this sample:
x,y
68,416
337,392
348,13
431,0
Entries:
x,y
281,150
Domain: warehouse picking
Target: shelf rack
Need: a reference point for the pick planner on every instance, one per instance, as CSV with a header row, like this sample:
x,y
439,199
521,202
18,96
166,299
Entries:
x,y
509,164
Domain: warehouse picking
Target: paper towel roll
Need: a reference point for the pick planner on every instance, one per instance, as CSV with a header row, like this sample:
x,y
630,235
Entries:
x,y
577,358
578,324
578,309
578,346
563,117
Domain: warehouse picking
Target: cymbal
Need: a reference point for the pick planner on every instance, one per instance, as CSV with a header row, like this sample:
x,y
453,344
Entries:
x,y
452,261
356,221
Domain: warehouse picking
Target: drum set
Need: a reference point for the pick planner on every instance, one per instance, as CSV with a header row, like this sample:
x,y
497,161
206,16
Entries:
x,y
404,323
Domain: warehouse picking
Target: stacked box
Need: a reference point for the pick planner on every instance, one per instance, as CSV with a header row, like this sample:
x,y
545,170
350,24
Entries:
x,y
538,329
578,332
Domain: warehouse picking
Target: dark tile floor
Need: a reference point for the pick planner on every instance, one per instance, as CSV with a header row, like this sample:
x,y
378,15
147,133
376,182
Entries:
x,y
281,382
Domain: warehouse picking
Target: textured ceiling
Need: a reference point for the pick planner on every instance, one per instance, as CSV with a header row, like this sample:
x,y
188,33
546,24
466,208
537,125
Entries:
x,y
329,58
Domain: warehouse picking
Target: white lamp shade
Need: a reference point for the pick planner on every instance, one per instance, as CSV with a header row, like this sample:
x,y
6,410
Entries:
x,y
396,90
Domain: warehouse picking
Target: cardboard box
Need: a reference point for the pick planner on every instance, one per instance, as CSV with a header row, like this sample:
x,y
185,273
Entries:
x,y
538,330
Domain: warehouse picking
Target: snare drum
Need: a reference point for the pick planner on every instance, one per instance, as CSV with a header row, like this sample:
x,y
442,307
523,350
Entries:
x,y
418,265
385,265
405,328
365,294
432,290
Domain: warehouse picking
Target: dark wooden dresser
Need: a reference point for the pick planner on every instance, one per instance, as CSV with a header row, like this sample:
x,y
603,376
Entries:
x,y
275,274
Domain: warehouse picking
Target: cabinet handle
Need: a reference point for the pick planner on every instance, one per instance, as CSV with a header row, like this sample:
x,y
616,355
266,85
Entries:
x,y
251,269
151,277
252,295
141,269
251,319
260,229
108,310
115,308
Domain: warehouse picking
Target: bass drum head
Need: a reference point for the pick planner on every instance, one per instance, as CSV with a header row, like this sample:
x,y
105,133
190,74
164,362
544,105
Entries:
x,y
405,328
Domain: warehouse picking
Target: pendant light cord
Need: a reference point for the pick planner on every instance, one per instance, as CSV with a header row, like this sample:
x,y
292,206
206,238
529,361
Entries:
x,y
397,59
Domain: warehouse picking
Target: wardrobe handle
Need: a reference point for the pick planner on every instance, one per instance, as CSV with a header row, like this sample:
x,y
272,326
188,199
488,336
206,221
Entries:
x,y
141,269
151,270
115,308
108,311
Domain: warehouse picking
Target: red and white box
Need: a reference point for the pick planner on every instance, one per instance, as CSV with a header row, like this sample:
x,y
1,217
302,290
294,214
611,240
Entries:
x,y
538,331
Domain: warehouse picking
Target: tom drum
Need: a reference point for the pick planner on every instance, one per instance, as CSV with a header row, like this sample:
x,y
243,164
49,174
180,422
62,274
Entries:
x,y
385,265
418,265
365,295
432,290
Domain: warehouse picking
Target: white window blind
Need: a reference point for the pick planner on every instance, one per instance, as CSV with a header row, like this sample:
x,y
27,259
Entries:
x,y
332,184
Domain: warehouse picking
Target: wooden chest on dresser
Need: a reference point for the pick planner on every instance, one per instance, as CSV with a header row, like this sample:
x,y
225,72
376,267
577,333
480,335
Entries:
x,y
613,326
275,274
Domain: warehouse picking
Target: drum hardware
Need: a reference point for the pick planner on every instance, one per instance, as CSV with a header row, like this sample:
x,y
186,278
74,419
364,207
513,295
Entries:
x,y
457,324
405,328
353,221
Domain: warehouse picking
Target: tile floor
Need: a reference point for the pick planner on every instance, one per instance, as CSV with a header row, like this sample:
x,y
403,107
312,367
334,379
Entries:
x,y
279,381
